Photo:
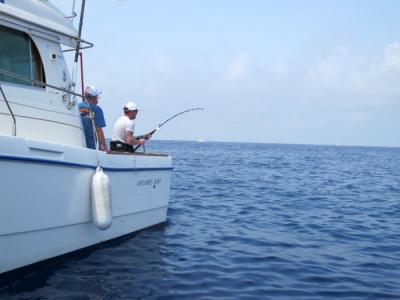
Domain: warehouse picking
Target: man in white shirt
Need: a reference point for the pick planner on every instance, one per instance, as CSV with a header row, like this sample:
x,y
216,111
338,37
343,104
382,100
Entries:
x,y
123,137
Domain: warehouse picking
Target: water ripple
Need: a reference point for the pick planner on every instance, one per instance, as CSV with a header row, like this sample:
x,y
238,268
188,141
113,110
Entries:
x,y
251,221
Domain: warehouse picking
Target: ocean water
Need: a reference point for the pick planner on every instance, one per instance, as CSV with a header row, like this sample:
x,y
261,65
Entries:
x,y
250,221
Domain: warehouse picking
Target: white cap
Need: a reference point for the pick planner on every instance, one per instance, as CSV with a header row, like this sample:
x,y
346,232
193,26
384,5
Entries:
x,y
130,106
92,91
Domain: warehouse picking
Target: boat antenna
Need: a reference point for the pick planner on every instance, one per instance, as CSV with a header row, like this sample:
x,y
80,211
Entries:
x,y
166,121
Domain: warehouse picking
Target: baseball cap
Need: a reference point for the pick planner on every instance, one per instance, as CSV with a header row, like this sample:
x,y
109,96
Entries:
x,y
92,91
130,106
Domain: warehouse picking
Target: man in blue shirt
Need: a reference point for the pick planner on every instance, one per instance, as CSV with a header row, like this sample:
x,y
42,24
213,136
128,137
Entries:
x,y
93,119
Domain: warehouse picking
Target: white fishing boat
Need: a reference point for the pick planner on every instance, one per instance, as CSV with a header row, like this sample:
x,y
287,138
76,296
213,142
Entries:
x,y
50,201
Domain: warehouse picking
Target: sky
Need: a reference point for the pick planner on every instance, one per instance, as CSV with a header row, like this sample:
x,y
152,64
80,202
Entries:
x,y
298,72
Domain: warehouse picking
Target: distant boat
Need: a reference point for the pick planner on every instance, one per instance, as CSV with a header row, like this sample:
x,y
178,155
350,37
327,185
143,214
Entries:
x,y
201,140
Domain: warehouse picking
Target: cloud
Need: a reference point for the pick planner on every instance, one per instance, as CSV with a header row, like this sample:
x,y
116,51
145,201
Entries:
x,y
357,117
329,70
348,78
159,62
280,70
315,100
391,56
238,67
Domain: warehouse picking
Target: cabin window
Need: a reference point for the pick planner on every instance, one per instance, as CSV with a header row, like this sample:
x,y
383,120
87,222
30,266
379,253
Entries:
x,y
19,55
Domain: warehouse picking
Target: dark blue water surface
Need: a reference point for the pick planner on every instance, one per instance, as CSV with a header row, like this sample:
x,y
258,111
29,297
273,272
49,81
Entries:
x,y
251,221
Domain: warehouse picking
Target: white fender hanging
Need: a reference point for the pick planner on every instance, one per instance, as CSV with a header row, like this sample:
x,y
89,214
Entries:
x,y
101,200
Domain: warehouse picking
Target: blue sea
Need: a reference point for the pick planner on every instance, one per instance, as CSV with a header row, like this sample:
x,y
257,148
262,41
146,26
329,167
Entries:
x,y
250,221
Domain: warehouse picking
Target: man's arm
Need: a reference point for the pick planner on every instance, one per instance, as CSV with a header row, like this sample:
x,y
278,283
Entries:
x,y
146,136
131,140
100,122
102,140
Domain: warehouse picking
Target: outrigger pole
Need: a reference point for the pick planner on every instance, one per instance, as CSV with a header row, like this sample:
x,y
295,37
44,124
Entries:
x,y
163,123
78,44
77,55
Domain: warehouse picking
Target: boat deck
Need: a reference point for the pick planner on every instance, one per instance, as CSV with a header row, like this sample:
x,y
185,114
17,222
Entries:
x,y
137,153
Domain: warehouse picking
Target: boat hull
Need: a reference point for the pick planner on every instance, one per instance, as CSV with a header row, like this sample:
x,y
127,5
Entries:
x,y
45,207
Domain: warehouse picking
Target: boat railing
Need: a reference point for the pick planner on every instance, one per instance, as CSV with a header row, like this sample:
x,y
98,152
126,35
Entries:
x,y
66,98
88,45
43,84
14,131
73,15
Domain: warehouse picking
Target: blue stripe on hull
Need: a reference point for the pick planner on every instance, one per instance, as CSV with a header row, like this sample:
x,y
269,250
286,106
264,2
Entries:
x,y
70,164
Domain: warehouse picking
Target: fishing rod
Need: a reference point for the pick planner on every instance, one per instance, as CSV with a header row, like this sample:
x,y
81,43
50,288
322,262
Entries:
x,y
163,123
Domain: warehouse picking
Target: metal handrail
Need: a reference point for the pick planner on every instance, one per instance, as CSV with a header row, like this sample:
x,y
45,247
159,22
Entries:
x,y
40,83
11,112
89,45
72,16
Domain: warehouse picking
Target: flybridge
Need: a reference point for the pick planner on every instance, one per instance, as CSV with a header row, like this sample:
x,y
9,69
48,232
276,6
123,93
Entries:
x,y
38,17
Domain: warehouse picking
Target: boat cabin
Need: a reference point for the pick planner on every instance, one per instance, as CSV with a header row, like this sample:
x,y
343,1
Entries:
x,y
31,37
